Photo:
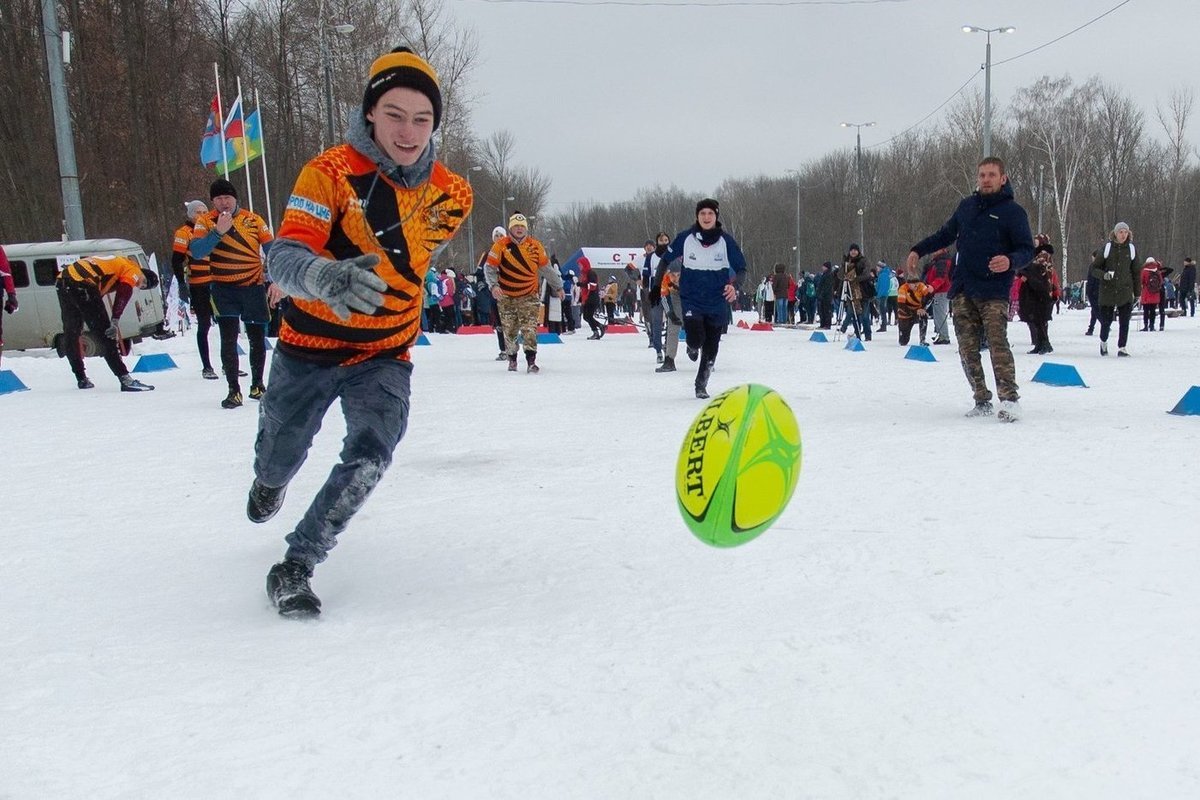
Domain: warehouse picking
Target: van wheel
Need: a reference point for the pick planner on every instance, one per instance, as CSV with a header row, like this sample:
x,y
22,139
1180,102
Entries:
x,y
91,344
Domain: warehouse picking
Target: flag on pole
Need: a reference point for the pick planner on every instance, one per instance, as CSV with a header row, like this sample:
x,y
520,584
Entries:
x,y
210,145
247,147
233,120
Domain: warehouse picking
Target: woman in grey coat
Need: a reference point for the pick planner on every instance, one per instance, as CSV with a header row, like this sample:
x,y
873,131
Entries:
x,y
1116,267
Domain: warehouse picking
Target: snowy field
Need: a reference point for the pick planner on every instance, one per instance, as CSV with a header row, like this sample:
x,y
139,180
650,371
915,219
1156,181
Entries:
x,y
950,607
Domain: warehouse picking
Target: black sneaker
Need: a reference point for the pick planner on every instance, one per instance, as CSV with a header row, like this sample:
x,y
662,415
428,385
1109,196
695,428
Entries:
x,y
668,365
257,391
129,384
208,373
264,502
234,400
288,590
693,353
603,330
84,383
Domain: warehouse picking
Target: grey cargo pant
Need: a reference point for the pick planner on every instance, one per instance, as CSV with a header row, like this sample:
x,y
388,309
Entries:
x,y
374,396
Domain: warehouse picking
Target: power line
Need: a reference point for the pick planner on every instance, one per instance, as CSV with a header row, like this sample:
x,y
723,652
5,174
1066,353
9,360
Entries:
x,y
1065,35
956,93
998,63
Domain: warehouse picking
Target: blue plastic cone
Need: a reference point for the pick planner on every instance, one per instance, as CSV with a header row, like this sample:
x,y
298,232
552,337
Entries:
x,y
549,338
854,345
818,336
1189,404
1058,375
155,362
422,339
9,382
919,352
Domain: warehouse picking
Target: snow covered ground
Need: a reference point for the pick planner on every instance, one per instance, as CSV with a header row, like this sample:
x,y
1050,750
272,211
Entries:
x,y
949,608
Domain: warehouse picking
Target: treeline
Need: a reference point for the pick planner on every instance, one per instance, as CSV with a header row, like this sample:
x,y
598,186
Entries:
x,y
1084,154
140,82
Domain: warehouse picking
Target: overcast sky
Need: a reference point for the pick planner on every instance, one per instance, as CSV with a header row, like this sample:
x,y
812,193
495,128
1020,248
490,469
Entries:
x,y
608,99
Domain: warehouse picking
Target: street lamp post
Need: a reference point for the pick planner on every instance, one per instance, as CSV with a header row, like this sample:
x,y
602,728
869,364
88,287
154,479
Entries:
x,y
471,217
1041,189
796,172
858,126
504,211
987,82
327,69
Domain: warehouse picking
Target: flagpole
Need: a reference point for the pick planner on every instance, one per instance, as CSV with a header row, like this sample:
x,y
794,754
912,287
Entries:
x,y
242,113
221,121
263,155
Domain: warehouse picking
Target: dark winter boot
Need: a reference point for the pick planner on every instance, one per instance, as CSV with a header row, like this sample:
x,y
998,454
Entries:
x,y
288,590
84,383
512,363
233,399
702,381
668,365
264,501
530,366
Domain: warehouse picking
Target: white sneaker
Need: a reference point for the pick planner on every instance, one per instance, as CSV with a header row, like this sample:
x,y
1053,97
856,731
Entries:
x,y
1009,411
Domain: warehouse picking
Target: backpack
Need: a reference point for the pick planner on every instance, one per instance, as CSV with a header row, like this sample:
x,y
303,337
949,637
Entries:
x,y
1154,282
1132,251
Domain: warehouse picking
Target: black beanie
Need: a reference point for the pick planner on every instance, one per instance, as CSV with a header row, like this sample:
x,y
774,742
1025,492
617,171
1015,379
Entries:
x,y
151,278
709,203
853,246
403,67
221,187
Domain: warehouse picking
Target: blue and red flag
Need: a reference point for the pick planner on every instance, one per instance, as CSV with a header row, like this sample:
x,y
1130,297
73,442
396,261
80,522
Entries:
x,y
210,145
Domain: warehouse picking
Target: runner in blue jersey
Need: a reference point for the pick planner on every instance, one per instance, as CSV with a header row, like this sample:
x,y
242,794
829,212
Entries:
x,y
711,267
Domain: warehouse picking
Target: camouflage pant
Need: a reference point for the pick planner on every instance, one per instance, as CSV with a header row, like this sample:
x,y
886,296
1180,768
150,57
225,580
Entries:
x,y
672,307
520,314
973,318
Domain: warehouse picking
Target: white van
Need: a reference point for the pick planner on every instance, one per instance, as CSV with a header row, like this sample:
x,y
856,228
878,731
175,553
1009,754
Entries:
x,y
38,320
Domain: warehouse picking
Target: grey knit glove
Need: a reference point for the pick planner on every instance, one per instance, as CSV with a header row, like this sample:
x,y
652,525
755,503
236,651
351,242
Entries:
x,y
347,285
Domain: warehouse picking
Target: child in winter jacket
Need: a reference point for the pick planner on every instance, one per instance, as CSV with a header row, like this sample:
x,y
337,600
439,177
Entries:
x,y
913,299
1151,296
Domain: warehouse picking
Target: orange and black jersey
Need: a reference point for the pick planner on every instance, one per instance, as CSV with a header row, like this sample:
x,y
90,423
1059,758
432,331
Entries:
x,y
102,273
234,259
197,268
516,265
341,207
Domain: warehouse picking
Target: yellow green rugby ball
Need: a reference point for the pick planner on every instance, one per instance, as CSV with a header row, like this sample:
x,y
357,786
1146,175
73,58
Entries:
x,y
738,465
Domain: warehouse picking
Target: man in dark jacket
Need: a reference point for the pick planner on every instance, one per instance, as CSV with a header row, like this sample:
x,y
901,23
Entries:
x,y
826,288
991,232
1187,288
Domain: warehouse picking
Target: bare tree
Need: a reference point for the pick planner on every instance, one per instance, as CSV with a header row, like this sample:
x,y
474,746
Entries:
x,y
1059,119
1174,121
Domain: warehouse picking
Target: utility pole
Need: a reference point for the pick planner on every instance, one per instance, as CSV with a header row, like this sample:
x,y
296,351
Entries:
x,y
1041,193
858,126
987,82
64,140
